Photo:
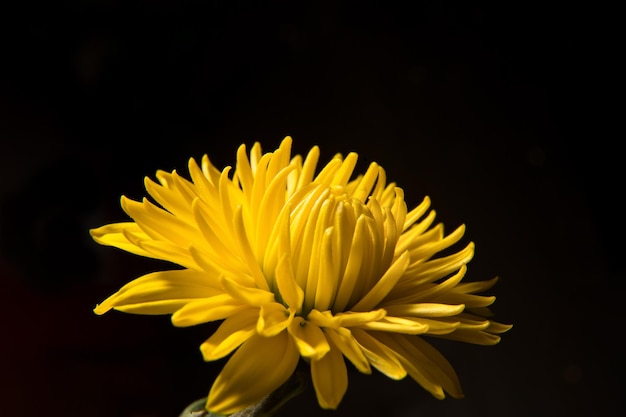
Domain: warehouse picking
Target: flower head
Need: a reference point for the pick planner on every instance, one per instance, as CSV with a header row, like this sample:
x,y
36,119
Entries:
x,y
296,263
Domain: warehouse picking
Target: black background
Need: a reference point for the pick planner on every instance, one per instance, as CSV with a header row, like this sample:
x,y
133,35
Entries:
x,y
499,113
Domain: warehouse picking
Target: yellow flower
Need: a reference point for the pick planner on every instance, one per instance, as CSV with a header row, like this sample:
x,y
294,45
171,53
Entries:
x,y
297,264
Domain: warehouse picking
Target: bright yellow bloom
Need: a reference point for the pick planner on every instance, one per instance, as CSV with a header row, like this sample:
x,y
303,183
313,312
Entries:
x,y
297,264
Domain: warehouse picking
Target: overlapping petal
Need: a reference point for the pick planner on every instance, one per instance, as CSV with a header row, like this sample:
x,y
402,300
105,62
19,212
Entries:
x,y
256,369
330,378
327,266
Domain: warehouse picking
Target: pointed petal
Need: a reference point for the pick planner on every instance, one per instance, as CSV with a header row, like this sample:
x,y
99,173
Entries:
x,y
345,342
349,319
165,250
246,250
113,235
159,223
379,355
424,310
495,327
469,336
384,285
252,296
161,292
287,285
396,325
273,319
330,379
233,331
308,167
353,268
309,338
257,368
424,364
206,310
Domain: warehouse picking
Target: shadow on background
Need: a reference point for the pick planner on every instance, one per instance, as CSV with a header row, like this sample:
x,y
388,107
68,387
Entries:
x,y
494,112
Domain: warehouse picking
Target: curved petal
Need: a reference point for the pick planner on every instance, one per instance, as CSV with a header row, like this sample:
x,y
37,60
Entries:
x,y
256,369
379,355
471,336
396,325
287,285
309,338
273,319
233,331
249,295
345,342
384,285
424,310
424,364
161,292
166,251
113,235
348,319
330,379
159,223
206,310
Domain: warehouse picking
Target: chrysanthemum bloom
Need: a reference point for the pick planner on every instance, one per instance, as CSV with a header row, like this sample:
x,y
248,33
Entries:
x,y
297,264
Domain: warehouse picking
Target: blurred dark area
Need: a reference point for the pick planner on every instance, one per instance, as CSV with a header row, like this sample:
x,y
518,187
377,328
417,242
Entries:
x,y
500,113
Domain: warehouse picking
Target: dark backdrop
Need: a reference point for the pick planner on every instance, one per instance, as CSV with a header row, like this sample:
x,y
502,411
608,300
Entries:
x,y
498,113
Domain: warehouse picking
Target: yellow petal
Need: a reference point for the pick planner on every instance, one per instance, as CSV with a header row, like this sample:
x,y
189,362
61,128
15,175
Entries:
x,y
327,276
470,300
244,171
290,292
343,174
252,296
112,235
435,269
476,286
271,204
345,342
330,378
424,364
427,292
309,338
308,167
158,223
176,200
257,368
166,251
206,189
495,327
233,331
468,336
353,267
396,325
246,250
349,319
379,355
206,310
439,326
273,319
148,308
365,183
424,309
324,319
160,292
384,285
428,249
416,213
